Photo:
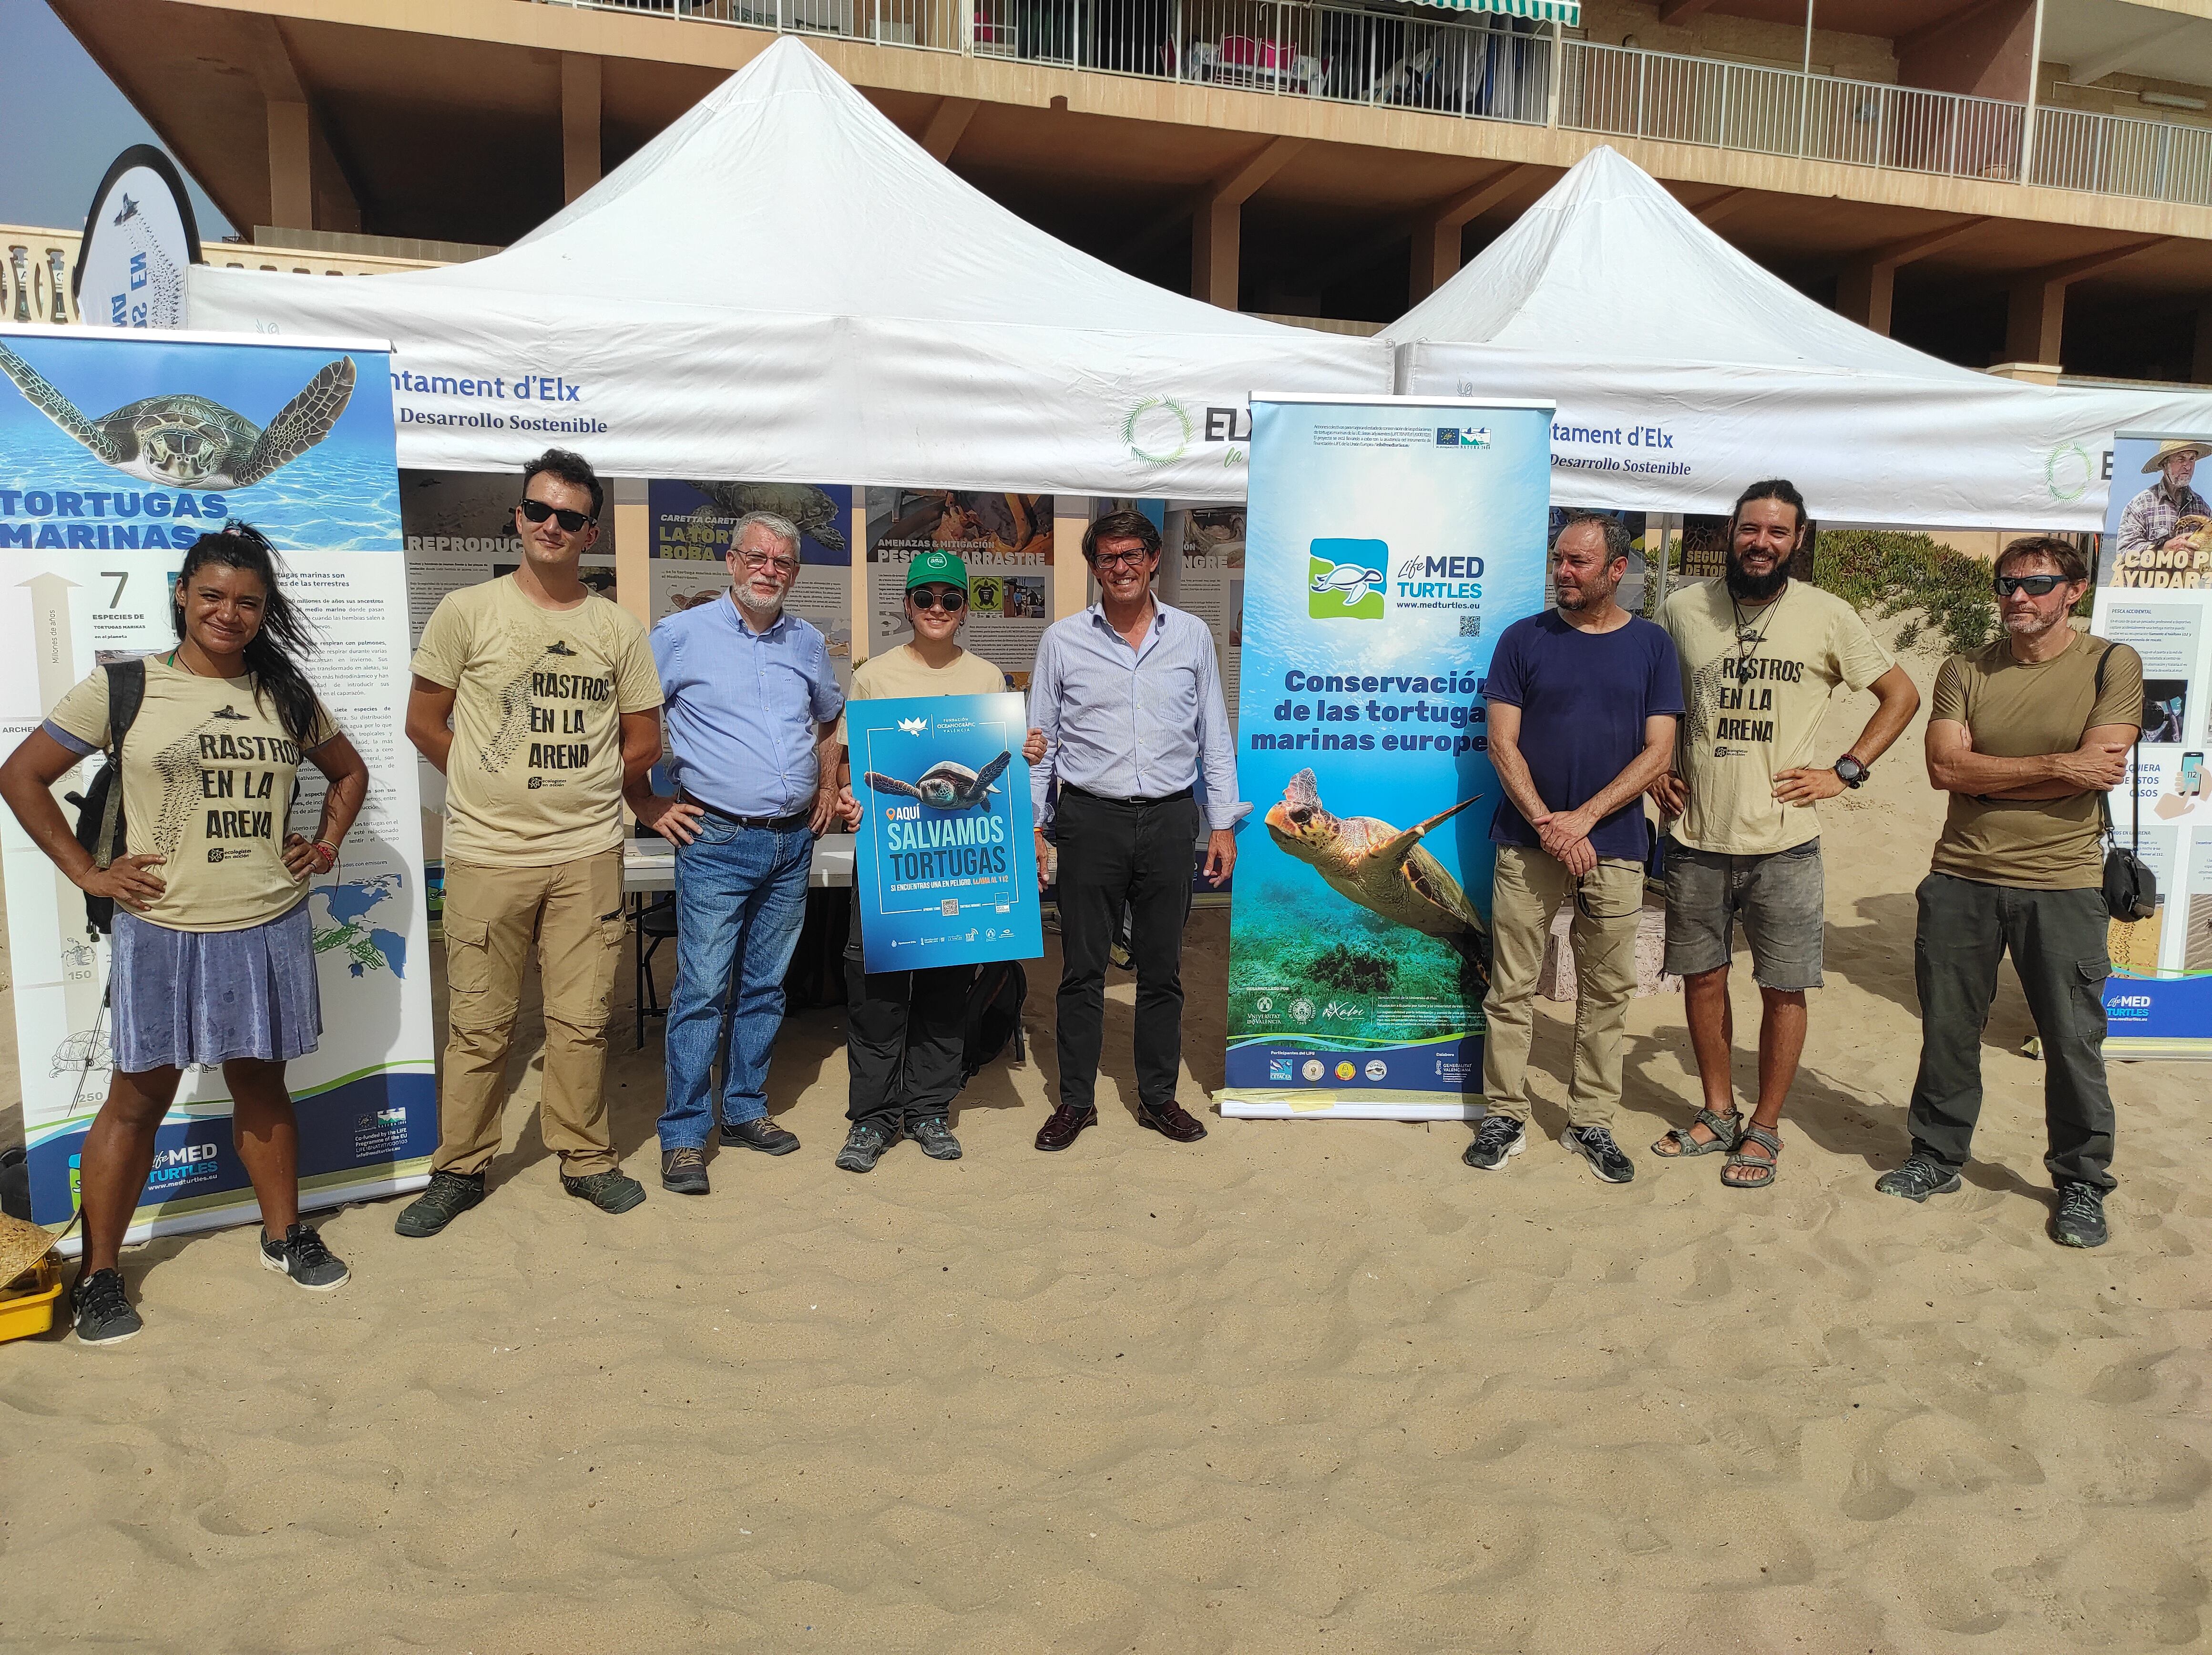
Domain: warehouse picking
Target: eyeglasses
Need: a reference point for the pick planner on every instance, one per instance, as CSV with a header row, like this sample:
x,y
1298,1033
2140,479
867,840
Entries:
x,y
1118,560
950,599
571,522
2035,586
761,561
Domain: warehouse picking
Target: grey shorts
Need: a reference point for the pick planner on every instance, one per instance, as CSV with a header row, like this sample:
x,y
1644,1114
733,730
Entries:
x,y
1781,897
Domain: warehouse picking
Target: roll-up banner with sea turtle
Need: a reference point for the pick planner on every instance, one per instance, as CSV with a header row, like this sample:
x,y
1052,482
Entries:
x,y
1389,541
691,525
117,450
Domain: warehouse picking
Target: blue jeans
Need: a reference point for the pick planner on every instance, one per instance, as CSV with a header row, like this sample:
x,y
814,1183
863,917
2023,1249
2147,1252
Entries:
x,y
740,899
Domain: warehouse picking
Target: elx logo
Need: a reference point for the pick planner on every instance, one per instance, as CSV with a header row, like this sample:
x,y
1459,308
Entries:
x,y
1345,580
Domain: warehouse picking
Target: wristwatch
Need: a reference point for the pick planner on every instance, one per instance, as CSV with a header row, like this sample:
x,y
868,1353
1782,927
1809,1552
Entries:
x,y
1850,770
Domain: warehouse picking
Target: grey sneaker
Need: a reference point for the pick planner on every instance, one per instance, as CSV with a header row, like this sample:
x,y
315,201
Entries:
x,y
935,1134
1498,1140
2081,1220
104,1316
450,1195
302,1256
1595,1144
864,1145
1917,1180
612,1191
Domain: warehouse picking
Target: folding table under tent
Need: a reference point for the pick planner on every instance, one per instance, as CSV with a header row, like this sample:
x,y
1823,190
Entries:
x,y
783,286
1683,371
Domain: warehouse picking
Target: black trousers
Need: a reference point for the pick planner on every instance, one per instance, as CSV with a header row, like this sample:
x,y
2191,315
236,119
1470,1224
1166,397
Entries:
x,y
902,1038
2057,941
1114,855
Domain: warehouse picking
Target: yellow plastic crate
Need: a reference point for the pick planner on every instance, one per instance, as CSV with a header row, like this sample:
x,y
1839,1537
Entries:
x,y
30,1309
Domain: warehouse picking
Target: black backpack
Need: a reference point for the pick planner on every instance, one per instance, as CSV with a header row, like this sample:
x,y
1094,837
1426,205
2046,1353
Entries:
x,y
994,1017
99,827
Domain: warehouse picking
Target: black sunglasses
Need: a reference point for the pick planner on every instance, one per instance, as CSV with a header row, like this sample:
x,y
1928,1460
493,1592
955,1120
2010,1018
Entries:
x,y
571,522
950,599
2035,586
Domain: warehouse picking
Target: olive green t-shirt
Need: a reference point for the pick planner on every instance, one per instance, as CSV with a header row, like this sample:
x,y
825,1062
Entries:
x,y
534,776
900,672
2016,710
207,785
1756,682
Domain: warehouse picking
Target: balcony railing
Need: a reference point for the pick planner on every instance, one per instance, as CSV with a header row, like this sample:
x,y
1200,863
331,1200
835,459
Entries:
x,y
1482,68
1778,111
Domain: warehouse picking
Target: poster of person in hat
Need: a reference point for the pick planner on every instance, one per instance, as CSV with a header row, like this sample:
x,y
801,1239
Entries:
x,y
2153,517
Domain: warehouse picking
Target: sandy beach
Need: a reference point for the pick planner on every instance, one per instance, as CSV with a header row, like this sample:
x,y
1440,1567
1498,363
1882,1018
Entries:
x,y
1308,1385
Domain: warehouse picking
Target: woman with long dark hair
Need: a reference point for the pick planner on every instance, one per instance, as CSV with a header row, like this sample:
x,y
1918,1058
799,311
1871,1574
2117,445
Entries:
x,y
213,960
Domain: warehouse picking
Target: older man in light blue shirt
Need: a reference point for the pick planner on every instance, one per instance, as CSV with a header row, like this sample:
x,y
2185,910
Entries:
x,y
1129,695
751,702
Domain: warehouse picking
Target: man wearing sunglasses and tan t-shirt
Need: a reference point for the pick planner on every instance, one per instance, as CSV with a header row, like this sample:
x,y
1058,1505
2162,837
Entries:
x,y
2026,736
538,701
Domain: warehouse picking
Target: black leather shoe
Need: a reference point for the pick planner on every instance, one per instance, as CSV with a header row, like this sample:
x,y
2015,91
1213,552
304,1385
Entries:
x,y
684,1171
764,1135
1172,1121
1062,1129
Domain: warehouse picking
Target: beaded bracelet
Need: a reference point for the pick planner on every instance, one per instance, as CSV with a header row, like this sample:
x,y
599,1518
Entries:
x,y
326,855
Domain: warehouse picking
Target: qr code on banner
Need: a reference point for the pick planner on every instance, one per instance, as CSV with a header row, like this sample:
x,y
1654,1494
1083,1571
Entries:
x,y
1470,625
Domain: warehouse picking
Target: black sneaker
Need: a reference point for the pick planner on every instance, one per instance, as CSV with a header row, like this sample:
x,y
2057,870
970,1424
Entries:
x,y
1595,1144
2081,1220
864,1145
684,1171
1917,1180
612,1191
104,1316
935,1134
1496,1139
450,1195
302,1256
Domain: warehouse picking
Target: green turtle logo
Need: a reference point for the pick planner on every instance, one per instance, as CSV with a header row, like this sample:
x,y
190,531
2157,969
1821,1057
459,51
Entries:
x,y
1151,418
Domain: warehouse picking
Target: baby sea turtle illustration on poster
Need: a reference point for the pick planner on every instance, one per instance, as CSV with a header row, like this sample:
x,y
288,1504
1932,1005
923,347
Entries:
x,y
189,441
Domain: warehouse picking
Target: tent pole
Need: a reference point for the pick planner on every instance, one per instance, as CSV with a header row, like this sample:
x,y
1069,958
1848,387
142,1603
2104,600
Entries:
x,y
1558,71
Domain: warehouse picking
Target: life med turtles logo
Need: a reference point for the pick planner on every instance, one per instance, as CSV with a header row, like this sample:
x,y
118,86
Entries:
x,y
1345,580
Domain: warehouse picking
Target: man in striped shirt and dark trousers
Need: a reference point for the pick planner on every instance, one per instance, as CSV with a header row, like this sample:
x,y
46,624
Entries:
x,y
1128,694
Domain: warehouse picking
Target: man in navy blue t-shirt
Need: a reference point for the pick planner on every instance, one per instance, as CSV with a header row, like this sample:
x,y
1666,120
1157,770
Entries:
x,y
1583,704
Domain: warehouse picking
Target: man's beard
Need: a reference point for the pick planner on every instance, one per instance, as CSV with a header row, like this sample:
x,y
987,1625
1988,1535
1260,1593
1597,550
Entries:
x,y
752,603
2030,624
1756,588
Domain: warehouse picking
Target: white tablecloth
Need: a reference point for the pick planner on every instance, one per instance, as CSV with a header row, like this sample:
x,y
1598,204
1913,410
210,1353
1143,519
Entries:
x,y
649,865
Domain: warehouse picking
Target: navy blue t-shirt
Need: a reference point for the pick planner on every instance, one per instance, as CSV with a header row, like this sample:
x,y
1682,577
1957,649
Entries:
x,y
1584,697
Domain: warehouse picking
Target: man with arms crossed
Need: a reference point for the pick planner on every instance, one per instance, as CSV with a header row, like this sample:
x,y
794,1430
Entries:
x,y
537,699
752,704
1583,704
1761,654
2027,741
1128,696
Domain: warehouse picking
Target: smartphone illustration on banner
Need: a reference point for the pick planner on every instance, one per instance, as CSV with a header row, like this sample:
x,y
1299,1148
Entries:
x,y
2192,775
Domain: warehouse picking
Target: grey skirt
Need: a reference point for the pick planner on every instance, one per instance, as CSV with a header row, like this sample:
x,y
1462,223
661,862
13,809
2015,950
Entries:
x,y
185,997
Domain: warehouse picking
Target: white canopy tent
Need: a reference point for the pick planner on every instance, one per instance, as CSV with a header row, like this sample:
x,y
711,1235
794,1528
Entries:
x,y
783,286
1684,370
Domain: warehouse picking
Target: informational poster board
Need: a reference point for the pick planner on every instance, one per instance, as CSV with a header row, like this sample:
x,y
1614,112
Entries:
x,y
944,858
1390,540
92,530
1005,540
2153,594
691,526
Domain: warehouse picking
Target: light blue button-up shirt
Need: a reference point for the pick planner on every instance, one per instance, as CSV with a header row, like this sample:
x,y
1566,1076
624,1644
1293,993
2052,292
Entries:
x,y
1133,723
742,707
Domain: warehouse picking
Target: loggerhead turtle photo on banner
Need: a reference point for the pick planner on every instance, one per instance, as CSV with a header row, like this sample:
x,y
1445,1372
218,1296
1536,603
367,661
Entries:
x,y
90,461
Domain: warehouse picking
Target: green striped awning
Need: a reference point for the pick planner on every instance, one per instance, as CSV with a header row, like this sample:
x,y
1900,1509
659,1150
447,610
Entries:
x,y
1569,12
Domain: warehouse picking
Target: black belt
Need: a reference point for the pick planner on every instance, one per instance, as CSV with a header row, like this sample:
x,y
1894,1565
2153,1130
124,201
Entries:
x,y
1108,798
791,824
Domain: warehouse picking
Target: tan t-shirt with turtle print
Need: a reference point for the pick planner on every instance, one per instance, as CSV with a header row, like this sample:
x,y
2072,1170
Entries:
x,y
207,785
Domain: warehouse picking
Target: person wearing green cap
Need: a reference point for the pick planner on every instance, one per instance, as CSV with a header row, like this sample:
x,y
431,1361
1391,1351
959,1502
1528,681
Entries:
x,y
902,1028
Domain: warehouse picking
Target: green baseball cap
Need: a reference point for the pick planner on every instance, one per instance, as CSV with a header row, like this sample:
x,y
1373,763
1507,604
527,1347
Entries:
x,y
937,567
